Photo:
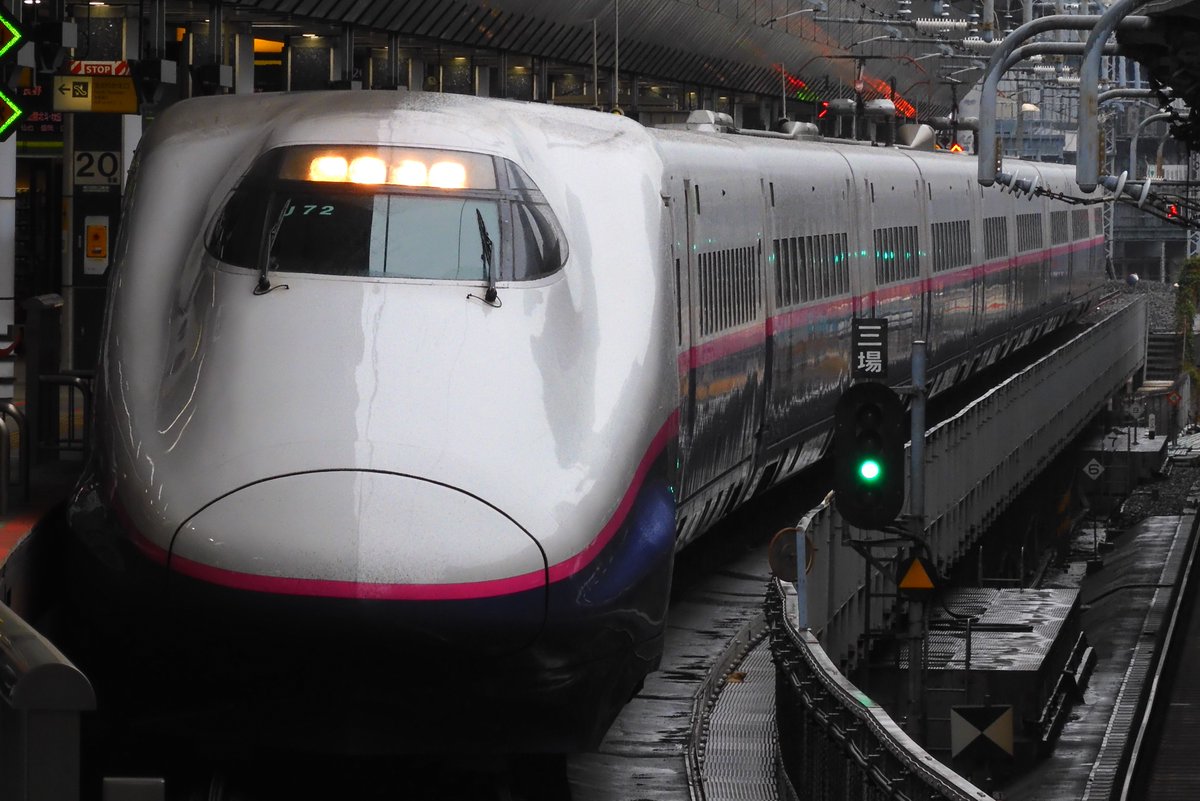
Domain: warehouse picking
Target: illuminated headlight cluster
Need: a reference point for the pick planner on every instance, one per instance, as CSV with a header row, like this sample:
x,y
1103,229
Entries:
x,y
372,170
390,167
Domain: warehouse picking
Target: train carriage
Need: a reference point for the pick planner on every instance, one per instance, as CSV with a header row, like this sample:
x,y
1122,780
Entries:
x,y
445,382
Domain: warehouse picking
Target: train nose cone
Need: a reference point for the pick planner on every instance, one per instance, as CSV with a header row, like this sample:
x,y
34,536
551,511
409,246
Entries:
x,y
400,553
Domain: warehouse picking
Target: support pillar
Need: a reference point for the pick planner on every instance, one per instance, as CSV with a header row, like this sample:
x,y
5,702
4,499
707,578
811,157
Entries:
x,y
393,61
8,238
243,62
1193,233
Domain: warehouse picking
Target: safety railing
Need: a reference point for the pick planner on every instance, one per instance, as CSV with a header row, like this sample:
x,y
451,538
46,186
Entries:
x,y
78,435
835,742
1068,687
42,696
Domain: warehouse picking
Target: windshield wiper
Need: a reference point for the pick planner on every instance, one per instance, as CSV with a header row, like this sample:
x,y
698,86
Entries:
x,y
264,283
489,297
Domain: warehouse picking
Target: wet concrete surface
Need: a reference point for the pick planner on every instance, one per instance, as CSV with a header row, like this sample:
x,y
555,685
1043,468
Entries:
x,y
1119,625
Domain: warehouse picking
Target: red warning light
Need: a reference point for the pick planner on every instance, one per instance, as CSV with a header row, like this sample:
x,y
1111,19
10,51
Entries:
x,y
823,111
1172,211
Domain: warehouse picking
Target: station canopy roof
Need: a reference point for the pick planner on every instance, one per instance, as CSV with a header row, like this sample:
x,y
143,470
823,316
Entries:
x,y
817,49
812,49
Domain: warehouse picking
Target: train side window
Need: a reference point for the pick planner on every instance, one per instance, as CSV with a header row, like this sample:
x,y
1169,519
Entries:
x,y
809,268
827,266
1079,224
237,232
536,242
726,304
796,246
843,250
995,237
780,271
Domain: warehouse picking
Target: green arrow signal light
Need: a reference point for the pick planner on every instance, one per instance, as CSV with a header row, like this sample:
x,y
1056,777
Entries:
x,y
870,470
10,114
14,35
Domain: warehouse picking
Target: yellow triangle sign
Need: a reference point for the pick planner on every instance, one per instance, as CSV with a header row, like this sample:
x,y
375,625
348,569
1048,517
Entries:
x,y
916,577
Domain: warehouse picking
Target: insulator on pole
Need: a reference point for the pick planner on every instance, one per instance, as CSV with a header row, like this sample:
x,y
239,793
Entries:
x,y
939,24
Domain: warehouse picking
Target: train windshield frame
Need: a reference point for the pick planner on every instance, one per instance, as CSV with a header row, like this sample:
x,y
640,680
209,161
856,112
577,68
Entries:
x,y
388,212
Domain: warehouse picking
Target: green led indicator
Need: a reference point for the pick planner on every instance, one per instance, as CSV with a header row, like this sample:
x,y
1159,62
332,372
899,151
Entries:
x,y
10,113
869,470
14,35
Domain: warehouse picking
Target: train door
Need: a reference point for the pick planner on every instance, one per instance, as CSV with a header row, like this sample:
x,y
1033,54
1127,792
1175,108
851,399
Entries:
x,y
680,260
923,307
894,214
975,254
727,350
765,282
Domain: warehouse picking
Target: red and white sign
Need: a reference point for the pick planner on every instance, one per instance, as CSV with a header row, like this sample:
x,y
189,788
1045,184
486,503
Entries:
x,y
99,67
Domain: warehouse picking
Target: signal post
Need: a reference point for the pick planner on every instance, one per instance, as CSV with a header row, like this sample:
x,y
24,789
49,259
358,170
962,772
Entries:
x,y
868,463
12,40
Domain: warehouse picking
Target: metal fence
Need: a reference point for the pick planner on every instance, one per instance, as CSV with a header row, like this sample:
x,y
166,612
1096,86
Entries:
x,y
836,744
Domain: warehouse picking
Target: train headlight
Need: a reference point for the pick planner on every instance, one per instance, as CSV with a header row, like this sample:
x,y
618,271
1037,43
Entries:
x,y
388,166
368,170
328,168
448,175
410,173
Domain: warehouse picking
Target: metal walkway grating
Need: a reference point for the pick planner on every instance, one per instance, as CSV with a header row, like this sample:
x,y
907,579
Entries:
x,y
741,745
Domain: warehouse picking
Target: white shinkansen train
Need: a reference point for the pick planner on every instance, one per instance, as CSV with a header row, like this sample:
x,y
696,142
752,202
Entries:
x,y
406,401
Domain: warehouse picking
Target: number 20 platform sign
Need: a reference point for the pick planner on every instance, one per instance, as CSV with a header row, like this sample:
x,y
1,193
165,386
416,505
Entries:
x,y
97,168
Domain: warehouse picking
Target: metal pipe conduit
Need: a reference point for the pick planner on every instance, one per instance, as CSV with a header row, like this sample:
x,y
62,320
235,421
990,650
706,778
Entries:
x,y
987,148
1087,164
1137,132
1051,49
1115,94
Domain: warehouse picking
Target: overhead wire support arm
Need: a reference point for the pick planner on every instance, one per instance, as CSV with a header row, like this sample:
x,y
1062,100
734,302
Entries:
x,y
1051,49
987,149
1162,116
1124,92
1087,166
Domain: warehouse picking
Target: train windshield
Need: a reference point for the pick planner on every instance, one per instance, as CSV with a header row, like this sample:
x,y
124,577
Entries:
x,y
388,212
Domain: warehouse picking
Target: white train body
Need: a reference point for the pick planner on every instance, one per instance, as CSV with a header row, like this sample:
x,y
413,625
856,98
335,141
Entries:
x,y
501,484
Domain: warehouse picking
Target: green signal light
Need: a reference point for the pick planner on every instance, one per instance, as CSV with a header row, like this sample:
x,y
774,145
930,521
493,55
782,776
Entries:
x,y
870,470
14,35
10,113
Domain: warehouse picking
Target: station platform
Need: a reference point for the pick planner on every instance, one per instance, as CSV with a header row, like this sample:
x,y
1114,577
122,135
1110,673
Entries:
x,y
50,484
52,474
1123,606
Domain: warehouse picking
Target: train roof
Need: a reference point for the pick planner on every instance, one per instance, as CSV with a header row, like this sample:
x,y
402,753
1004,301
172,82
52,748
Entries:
x,y
403,117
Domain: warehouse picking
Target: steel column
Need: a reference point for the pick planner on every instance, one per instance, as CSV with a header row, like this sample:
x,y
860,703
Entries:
x,y
1087,164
